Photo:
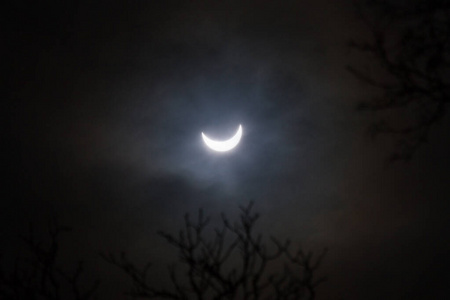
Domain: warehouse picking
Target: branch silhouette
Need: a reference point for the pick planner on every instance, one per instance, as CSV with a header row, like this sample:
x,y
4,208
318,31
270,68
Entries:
x,y
234,264
39,276
410,47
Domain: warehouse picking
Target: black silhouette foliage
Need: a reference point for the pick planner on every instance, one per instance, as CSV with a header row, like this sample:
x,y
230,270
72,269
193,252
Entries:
x,y
410,54
234,263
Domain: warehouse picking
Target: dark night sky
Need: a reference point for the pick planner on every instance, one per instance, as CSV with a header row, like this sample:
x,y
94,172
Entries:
x,y
104,107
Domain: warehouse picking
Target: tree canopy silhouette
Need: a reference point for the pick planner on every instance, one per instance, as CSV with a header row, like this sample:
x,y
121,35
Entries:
x,y
233,263
230,262
410,59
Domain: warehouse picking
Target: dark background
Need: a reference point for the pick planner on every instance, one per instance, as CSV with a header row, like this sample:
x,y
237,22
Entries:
x,y
105,103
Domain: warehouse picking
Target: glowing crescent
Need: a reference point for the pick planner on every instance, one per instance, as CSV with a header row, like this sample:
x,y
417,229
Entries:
x,y
223,146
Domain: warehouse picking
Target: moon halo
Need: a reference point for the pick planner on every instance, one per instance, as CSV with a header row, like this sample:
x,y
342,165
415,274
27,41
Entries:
x,y
225,145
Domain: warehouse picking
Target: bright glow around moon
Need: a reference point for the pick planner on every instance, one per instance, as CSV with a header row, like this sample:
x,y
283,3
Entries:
x,y
223,146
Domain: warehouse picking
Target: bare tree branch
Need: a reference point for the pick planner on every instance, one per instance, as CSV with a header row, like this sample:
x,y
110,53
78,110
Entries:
x,y
232,264
412,51
40,276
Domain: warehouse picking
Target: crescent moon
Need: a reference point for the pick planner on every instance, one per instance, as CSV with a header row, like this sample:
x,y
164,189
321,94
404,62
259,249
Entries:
x,y
223,146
